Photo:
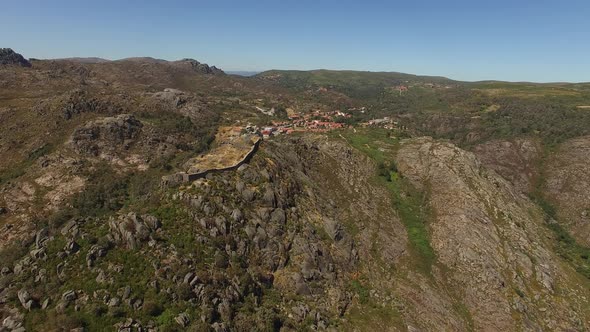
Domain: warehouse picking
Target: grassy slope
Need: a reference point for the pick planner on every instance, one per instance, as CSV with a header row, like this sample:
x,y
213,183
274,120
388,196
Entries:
x,y
576,254
410,204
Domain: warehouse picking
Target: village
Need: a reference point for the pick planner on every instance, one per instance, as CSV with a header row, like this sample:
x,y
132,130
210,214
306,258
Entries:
x,y
323,120
315,121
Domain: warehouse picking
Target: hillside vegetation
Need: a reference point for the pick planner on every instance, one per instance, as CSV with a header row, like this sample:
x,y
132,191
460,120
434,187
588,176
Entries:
x,y
467,210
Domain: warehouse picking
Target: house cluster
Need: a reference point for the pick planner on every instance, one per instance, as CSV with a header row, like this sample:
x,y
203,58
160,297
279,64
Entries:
x,y
400,88
317,121
432,85
403,88
385,122
358,109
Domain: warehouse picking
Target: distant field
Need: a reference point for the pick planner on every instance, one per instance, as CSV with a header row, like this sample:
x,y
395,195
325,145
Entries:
x,y
525,92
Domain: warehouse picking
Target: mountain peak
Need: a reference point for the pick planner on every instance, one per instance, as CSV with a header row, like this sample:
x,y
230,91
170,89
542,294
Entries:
x,y
201,67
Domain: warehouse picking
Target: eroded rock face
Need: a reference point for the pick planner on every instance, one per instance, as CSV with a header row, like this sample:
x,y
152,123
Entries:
x,y
516,160
493,242
173,97
202,68
131,230
10,57
80,101
568,186
106,134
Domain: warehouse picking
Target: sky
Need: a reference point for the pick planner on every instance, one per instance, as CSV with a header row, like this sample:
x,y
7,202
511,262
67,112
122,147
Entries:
x,y
516,40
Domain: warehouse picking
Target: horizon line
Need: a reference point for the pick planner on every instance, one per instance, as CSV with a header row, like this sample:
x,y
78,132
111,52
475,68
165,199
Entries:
x,y
257,71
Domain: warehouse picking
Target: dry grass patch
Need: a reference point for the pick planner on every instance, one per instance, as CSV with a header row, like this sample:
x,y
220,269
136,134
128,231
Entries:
x,y
229,148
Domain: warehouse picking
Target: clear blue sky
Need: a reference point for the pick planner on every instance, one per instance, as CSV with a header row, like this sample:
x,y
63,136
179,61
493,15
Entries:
x,y
533,40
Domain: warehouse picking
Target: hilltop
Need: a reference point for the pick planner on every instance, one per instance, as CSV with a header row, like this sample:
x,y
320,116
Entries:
x,y
84,60
10,57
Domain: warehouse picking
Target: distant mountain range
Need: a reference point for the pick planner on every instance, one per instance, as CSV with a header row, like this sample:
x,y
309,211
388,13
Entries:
x,y
148,59
86,60
243,73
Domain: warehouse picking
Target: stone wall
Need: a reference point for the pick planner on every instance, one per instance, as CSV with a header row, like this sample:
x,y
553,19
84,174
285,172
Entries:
x,y
177,178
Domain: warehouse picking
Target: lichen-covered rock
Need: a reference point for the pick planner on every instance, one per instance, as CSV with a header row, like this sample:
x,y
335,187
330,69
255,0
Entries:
x,y
106,135
269,197
278,216
13,322
131,230
25,299
41,237
69,296
182,319
94,252
173,97
237,215
334,229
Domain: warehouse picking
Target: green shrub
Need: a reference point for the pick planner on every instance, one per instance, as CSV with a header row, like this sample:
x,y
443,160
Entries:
x,y
97,310
106,192
360,290
152,308
12,253
117,312
166,318
566,246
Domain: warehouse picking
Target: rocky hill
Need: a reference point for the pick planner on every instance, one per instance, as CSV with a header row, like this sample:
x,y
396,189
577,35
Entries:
x,y
202,68
567,184
492,240
9,57
355,229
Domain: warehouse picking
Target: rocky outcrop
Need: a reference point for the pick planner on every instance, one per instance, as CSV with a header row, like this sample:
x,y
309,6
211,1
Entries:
x,y
106,135
25,299
10,57
517,160
173,97
131,230
201,68
567,185
79,102
182,320
493,243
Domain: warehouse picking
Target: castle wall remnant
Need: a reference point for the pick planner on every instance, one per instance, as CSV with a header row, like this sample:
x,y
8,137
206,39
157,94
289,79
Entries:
x,y
183,177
